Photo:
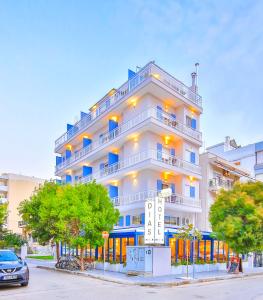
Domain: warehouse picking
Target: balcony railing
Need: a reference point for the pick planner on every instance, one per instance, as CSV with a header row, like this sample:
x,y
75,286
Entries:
x,y
161,157
3,188
149,71
216,184
143,196
107,137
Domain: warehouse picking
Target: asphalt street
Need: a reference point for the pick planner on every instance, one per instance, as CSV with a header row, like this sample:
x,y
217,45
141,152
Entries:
x,y
49,285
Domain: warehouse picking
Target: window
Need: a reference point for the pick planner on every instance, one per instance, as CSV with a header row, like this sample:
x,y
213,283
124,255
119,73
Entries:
x,y
185,221
190,191
136,220
191,122
259,157
172,220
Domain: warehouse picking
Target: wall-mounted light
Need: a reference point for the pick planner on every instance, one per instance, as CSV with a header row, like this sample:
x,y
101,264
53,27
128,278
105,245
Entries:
x,y
114,118
114,182
167,139
134,103
156,75
191,178
165,175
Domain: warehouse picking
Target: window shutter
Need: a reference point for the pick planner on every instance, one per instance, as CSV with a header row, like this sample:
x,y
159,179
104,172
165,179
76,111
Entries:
x,y
159,185
192,158
192,191
173,188
86,170
112,125
68,154
159,112
193,123
159,151
86,142
121,221
113,191
173,116
143,218
113,158
128,220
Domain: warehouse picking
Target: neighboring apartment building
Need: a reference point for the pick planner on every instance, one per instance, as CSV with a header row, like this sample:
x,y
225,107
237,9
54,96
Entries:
x,y
217,173
14,189
137,140
249,157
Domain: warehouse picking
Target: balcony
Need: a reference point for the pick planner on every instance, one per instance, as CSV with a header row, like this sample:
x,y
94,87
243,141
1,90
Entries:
x,y
150,72
217,184
3,188
146,159
151,114
141,197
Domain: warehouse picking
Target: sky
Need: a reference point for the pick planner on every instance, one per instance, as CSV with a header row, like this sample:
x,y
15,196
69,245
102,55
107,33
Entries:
x,y
58,57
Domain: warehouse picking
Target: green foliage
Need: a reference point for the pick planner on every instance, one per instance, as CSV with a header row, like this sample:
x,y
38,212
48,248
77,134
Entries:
x,y
3,215
13,240
188,232
42,213
86,211
237,217
74,214
42,257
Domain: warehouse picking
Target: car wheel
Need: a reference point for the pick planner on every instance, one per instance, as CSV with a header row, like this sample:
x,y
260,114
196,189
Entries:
x,y
24,284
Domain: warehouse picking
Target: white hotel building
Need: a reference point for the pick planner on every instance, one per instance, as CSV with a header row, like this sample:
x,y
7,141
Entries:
x,y
137,140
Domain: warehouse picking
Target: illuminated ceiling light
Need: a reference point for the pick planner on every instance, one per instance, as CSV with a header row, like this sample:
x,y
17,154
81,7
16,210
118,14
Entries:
x,y
94,107
166,174
167,139
134,102
69,147
191,178
135,138
156,75
114,118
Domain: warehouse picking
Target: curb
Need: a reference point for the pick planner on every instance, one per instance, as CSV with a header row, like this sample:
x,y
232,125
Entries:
x,y
152,284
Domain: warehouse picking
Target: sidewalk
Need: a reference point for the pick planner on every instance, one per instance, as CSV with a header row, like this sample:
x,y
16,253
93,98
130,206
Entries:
x,y
168,280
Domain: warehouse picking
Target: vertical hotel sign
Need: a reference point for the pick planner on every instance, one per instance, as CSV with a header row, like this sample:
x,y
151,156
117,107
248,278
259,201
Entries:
x,y
154,221
149,222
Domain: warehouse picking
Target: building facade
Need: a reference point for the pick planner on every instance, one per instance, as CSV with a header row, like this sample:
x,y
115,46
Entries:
x,y
217,173
137,140
13,190
249,157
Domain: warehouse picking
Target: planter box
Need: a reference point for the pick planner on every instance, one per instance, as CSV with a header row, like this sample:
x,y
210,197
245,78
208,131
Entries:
x,y
182,269
110,267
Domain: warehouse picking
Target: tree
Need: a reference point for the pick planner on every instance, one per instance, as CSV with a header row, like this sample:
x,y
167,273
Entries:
x,y
188,233
42,214
87,211
3,215
237,217
11,239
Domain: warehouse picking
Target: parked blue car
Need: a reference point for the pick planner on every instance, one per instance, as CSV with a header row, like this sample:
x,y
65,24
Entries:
x,y
13,270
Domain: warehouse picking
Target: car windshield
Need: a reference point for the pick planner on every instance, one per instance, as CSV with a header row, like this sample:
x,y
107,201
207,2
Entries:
x,y
7,256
